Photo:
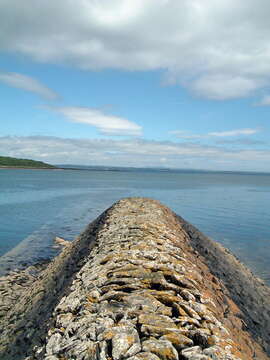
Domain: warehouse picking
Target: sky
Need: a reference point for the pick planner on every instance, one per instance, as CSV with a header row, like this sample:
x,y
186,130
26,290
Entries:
x,y
143,83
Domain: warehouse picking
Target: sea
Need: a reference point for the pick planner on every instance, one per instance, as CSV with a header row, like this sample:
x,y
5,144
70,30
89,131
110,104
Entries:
x,y
38,205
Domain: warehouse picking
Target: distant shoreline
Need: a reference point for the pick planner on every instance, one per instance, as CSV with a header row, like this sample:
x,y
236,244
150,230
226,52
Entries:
x,y
55,168
27,168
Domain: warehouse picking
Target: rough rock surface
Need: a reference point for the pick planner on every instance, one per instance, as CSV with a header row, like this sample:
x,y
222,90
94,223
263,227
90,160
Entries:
x,y
130,287
249,292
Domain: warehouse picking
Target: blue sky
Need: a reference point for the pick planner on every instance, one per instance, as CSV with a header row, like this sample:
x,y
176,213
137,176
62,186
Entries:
x,y
136,83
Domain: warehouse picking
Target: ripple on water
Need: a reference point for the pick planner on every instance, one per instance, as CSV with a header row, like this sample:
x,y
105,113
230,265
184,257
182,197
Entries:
x,y
37,206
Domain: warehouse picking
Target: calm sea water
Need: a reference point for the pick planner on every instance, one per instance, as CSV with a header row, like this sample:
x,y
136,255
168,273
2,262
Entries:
x,y
37,205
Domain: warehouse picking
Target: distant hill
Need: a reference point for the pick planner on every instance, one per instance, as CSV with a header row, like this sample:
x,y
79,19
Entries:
x,y
23,163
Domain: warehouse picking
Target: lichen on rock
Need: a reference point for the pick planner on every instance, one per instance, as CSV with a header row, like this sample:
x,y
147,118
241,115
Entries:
x,y
130,287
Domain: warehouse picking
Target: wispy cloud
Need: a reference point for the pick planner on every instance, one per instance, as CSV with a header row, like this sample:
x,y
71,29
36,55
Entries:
x,y
135,152
238,132
27,83
241,141
234,132
105,123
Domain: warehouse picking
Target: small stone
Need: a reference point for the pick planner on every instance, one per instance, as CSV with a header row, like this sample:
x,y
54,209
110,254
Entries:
x,y
162,348
125,343
54,344
214,352
184,320
71,305
187,295
156,320
148,303
199,308
144,356
213,340
113,295
191,352
192,313
179,341
103,324
60,242
93,296
102,352
157,331
199,357
63,320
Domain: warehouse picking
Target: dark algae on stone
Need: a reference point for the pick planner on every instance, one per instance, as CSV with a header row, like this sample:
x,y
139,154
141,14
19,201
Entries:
x,y
135,285
10,162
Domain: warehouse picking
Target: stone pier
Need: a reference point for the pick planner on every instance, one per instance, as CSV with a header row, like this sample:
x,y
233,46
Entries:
x,y
131,287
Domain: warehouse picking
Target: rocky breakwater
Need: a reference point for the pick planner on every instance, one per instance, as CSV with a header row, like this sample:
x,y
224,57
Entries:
x,y
130,287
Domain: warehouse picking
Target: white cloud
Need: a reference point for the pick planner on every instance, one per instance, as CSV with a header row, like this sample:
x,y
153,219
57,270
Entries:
x,y
27,83
221,87
106,124
265,101
184,135
136,152
234,132
217,49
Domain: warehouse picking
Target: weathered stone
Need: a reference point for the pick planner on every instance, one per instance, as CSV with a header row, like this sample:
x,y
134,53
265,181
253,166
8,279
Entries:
x,y
191,352
148,303
157,331
178,310
214,352
200,309
125,342
60,242
144,356
101,352
63,320
184,320
188,310
213,340
93,351
113,295
199,357
93,296
54,344
162,348
179,341
156,320
166,297
71,305
187,295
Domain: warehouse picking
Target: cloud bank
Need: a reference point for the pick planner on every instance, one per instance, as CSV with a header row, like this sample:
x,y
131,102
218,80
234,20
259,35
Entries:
x,y
217,49
27,83
136,152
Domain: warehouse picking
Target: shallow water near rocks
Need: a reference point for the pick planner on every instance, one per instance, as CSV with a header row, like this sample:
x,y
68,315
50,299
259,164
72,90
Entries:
x,y
37,205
